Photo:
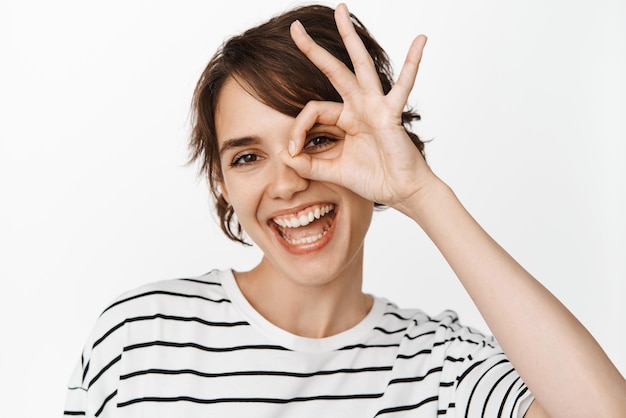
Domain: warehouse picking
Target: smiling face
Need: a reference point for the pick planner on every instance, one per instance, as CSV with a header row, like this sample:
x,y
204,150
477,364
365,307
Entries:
x,y
310,232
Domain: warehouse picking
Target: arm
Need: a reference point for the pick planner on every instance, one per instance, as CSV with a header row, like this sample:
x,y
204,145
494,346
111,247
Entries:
x,y
564,367
566,370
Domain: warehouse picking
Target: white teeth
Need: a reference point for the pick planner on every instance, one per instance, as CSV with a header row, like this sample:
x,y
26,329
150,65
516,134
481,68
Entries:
x,y
304,218
306,240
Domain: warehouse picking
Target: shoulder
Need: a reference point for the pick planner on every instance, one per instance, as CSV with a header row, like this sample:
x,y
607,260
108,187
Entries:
x,y
442,328
441,339
135,318
177,299
183,297
473,373
207,288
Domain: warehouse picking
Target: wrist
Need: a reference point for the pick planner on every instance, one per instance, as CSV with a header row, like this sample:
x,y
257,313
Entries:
x,y
429,197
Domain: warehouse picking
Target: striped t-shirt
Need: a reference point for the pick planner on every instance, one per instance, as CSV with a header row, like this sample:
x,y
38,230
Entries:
x,y
196,348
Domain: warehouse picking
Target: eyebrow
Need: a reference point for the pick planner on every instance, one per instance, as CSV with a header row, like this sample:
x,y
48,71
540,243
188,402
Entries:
x,y
238,143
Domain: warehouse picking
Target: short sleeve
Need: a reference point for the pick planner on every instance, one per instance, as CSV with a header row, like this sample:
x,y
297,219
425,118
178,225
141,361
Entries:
x,y
92,387
76,397
93,384
485,382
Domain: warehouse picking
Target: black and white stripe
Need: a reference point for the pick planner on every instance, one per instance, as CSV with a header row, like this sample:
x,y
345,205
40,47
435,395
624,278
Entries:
x,y
194,347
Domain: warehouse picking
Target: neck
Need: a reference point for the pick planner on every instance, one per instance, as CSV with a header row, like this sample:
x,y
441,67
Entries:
x,y
313,310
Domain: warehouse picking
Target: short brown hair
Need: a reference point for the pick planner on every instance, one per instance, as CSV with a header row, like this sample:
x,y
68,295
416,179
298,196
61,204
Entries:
x,y
278,74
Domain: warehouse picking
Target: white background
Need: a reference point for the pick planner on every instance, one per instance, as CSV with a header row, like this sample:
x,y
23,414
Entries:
x,y
525,103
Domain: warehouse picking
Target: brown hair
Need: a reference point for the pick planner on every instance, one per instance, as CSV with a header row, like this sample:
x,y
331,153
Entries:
x,y
279,75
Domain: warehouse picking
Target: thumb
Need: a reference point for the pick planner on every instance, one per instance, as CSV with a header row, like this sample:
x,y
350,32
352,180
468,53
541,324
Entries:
x,y
312,168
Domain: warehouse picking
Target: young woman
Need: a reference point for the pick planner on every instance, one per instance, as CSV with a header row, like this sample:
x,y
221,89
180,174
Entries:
x,y
301,132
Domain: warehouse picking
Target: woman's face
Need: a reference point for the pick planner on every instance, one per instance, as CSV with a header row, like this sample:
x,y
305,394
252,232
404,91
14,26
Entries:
x,y
309,231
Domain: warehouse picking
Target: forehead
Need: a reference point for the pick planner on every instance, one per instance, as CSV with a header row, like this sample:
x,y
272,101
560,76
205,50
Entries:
x,y
239,114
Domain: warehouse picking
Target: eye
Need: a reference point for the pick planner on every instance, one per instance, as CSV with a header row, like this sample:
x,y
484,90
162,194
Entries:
x,y
319,143
244,159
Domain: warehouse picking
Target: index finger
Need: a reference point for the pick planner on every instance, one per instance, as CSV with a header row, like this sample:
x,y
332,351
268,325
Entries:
x,y
314,112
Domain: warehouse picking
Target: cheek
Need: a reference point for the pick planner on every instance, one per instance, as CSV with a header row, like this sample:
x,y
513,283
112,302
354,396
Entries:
x,y
364,215
244,196
365,211
361,211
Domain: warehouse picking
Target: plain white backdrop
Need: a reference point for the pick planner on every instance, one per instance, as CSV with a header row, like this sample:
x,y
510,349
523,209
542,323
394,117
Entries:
x,y
525,104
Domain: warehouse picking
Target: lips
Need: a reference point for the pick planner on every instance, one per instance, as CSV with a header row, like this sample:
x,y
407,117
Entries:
x,y
305,227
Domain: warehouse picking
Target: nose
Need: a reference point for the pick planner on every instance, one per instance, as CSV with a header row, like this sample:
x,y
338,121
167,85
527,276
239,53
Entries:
x,y
285,182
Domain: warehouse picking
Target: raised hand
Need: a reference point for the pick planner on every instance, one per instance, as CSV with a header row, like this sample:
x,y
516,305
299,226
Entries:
x,y
377,159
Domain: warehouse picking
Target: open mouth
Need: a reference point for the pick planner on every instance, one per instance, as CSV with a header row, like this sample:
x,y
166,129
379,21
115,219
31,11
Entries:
x,y
306,226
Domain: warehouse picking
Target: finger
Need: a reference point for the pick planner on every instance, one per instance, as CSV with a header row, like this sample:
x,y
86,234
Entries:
x,y
312,168
314,112
339,75
364,66
399,94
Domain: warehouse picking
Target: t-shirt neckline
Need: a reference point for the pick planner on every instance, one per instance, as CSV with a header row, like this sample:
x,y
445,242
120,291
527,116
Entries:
x,y
294,342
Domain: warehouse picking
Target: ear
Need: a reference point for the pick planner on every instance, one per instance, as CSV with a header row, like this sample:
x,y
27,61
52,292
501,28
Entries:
x,y
223,190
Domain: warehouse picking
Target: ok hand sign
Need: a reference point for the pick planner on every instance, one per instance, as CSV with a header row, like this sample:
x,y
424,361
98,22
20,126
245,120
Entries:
x,y
378,160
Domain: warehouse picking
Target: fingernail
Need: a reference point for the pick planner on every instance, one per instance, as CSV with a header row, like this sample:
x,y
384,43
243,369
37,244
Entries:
x,y
299,26
292,148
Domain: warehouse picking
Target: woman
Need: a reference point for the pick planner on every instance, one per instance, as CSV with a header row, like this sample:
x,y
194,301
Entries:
x,y
300,138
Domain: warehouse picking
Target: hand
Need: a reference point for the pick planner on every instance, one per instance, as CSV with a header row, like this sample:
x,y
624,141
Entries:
x,y
377,160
